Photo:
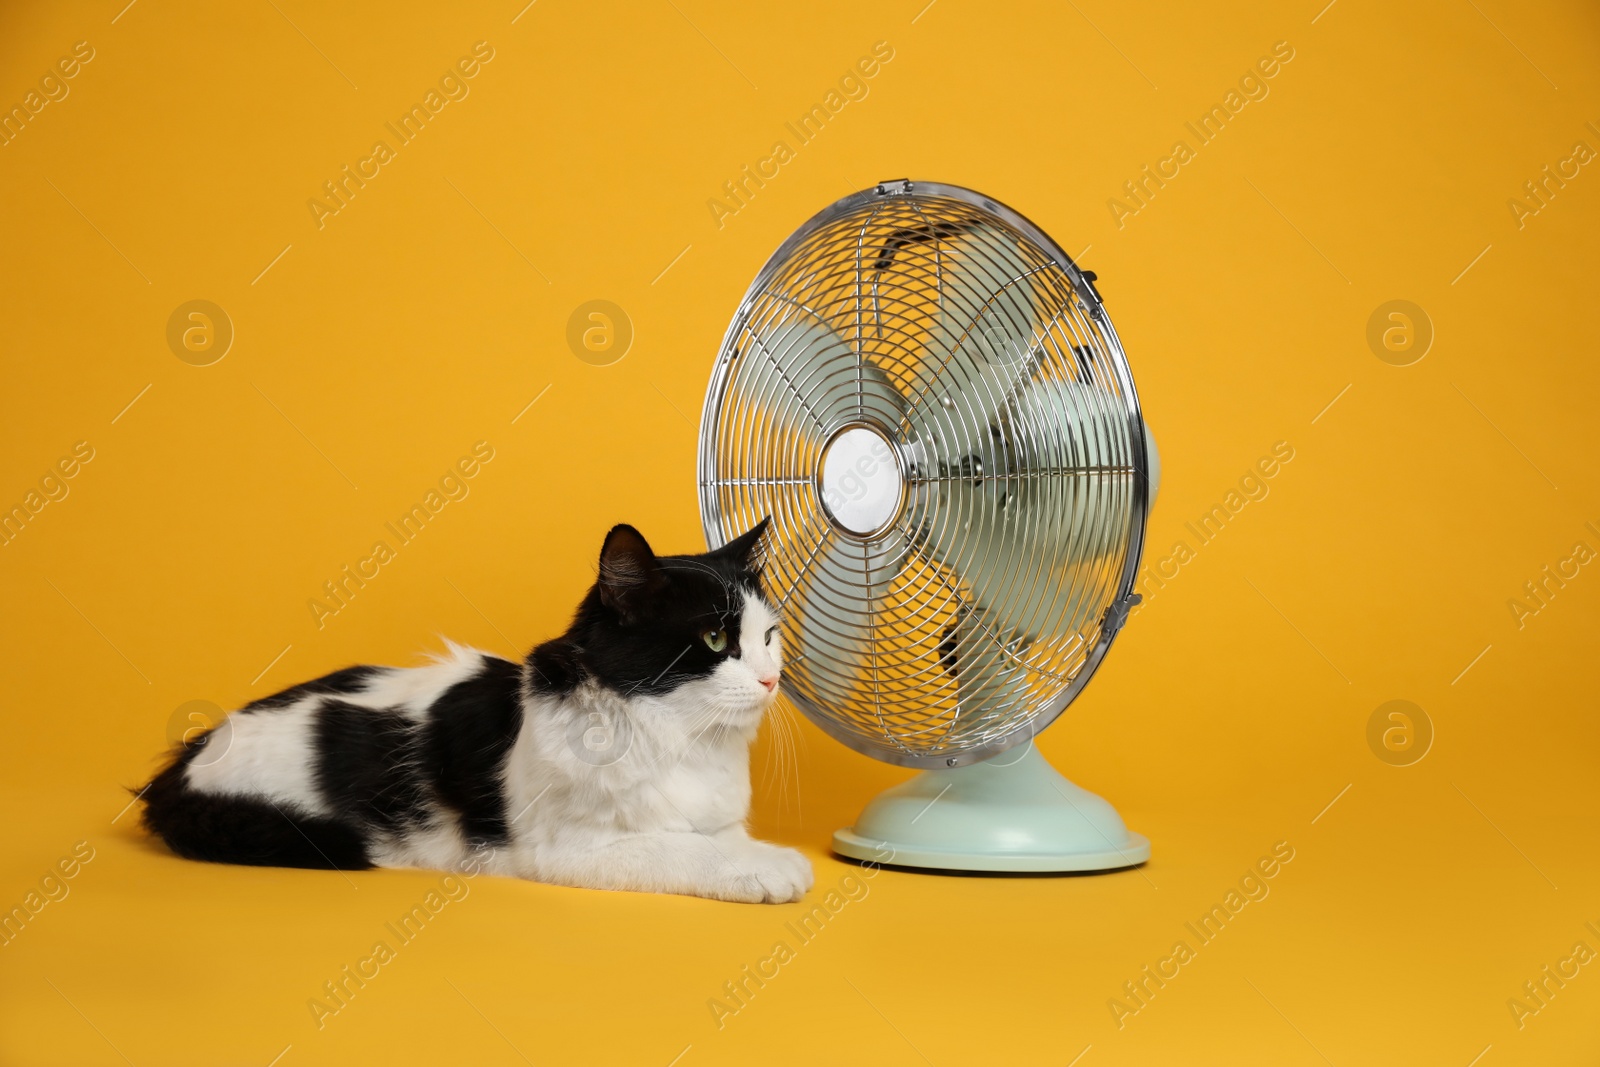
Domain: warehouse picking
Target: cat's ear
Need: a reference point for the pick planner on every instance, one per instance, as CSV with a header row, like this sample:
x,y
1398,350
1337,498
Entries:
x,y
630,574
745,549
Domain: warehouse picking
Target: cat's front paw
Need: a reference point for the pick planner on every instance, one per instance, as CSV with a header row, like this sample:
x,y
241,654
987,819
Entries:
x,y
796,863
767,874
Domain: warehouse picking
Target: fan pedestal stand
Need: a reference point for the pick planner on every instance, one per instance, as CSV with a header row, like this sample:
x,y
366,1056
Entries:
x,y
1010,813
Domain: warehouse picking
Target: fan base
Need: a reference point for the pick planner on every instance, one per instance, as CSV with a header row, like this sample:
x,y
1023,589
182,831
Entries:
x,y
1011,813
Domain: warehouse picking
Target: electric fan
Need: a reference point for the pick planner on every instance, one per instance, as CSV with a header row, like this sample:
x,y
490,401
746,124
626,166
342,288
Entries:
x,y
926,395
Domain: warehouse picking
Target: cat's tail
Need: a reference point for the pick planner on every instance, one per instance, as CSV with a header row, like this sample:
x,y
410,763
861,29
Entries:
x,y
238,828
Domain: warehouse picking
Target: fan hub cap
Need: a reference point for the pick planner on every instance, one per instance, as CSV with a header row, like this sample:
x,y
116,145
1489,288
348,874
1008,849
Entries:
x,y
861,484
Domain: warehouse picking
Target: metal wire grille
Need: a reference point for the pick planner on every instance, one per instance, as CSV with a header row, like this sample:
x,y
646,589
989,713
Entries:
x,y
969,342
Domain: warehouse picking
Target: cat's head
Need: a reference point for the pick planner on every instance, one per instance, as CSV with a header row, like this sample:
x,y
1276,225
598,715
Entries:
x,y
695,629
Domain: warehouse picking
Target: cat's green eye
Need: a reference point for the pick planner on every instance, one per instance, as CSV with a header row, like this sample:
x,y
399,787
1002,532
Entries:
x,y
770,632
716,640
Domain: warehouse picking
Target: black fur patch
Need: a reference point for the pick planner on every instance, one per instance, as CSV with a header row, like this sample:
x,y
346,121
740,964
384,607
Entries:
x,y
348,680
234,829
641,629
556,666
368,766
469,731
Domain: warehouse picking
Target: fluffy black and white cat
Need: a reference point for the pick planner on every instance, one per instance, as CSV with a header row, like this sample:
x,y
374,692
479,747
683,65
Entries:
x,y
614,757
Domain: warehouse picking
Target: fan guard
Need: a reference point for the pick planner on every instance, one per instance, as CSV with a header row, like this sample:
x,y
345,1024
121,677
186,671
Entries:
x,y
927,396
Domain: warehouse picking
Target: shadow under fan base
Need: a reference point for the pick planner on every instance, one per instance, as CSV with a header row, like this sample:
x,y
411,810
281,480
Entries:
x,y
1011,813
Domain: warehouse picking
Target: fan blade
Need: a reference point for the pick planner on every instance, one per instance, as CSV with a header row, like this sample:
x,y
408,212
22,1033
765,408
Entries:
x,y
980,341
1045,493
1081,429
991,683
835,599
807,380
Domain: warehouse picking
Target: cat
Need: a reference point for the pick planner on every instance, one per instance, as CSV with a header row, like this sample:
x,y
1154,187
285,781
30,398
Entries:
x,y
613,757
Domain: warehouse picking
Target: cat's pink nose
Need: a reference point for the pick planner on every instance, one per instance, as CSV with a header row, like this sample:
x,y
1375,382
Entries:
x,y
769,683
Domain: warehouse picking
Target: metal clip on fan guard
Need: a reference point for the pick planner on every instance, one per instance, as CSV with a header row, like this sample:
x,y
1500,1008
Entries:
x,y
1116,616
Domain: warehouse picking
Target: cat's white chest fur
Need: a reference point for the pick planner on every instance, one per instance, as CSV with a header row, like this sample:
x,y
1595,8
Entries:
x,y
651,792
625,765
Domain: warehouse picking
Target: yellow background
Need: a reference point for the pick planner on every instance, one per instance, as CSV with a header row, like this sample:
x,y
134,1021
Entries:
x,y
431,310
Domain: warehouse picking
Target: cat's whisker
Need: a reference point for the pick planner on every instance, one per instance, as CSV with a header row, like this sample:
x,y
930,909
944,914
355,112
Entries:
x,y
788,758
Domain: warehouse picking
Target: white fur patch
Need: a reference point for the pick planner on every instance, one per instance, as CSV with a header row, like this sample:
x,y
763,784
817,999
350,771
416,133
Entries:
x,y
414,689
440,847
267,754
